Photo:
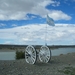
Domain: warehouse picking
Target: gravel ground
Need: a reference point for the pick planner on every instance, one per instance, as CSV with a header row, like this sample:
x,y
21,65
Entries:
x,y
20,67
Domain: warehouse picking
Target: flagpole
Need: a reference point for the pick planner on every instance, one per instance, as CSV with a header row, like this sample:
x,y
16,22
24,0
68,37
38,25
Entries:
x,y
46,35
50,22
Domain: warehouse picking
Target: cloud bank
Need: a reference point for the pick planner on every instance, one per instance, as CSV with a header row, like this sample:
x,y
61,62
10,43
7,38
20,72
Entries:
x,y
35,34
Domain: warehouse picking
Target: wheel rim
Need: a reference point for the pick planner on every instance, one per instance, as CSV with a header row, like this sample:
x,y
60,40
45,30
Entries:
x,y
30,54
44,54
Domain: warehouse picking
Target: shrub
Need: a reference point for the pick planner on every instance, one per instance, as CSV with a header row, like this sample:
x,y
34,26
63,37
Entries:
x,y
20,55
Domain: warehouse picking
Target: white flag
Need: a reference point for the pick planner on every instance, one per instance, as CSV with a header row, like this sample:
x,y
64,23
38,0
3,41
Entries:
x,y
50,21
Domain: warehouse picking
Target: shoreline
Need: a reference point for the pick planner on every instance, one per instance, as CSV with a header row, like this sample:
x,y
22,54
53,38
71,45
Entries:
x,y
20,67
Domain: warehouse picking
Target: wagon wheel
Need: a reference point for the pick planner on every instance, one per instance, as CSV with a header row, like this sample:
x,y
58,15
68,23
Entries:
x,y
30,54
44,54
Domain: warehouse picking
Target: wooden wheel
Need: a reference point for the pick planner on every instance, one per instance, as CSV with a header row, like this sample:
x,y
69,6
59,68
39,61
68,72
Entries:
x,y
44,54
30,54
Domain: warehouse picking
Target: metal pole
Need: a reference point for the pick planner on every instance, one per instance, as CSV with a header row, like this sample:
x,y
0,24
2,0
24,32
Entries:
x,y
46,36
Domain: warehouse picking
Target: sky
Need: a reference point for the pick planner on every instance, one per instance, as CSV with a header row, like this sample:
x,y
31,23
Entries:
x,y
23,22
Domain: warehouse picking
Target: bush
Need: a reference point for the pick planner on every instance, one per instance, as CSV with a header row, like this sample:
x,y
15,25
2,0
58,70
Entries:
x,y
20,55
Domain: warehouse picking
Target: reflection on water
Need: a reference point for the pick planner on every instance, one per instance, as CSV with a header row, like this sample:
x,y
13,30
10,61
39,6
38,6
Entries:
x,y
7,55
55,52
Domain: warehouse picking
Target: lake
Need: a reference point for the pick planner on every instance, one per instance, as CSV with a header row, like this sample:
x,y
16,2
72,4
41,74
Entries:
x,y
55,52
59,51
7,55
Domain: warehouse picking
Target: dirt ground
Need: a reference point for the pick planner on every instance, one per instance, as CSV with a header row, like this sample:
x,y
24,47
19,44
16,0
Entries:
x,y
20,67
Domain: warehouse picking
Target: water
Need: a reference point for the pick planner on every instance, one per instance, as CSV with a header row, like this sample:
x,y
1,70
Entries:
x,y
7,55
59,51
55,52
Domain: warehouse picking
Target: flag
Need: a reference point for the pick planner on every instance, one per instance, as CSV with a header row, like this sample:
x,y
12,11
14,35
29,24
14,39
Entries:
x,y
50,21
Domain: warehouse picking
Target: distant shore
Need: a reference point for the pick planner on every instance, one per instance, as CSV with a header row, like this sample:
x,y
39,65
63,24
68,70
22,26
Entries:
x,y
20,67
23,47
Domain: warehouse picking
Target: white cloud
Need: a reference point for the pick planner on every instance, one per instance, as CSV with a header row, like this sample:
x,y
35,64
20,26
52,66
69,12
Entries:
x,y
35,34
2,25
56,3
17,9
14,25
58,15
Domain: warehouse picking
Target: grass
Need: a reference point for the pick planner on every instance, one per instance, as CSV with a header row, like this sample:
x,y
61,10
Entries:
x,y
20,55
68,71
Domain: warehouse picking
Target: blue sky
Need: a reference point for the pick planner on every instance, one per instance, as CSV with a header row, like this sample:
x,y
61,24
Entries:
x,y
24,22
